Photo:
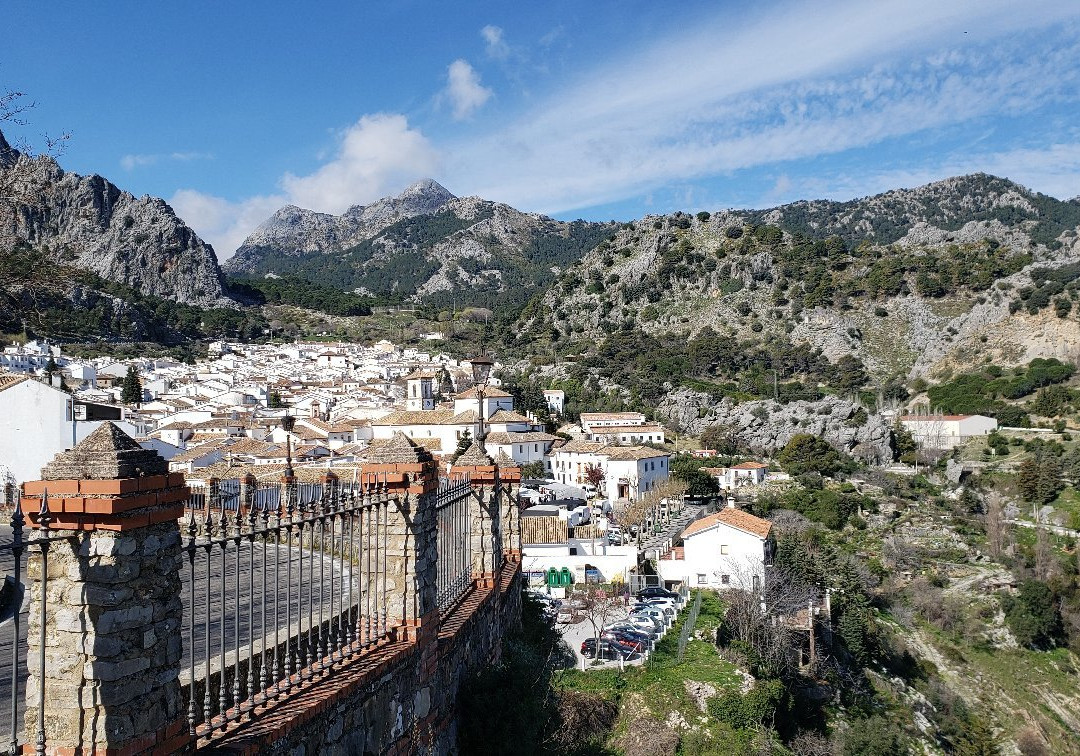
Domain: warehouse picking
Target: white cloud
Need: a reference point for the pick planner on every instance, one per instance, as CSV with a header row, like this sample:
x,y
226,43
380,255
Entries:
x,y
796,82
1051,170
464,90
131,162
378,155
222,223
496,46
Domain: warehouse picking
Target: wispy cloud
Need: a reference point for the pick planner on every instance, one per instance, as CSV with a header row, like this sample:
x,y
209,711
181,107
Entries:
x,y
464,90
795,83
1053,170
495,45
131,162
376,156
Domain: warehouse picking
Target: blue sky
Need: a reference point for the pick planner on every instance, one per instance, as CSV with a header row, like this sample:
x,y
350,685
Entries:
x,y
574,109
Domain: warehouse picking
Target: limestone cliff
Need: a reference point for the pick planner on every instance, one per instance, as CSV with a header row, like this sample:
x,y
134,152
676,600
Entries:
x,y
89,223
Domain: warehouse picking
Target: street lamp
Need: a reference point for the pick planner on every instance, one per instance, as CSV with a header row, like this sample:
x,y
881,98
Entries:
x,y
481,370
288,423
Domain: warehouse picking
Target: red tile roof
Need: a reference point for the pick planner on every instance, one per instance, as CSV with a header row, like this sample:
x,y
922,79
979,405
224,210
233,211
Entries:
x,y
732,517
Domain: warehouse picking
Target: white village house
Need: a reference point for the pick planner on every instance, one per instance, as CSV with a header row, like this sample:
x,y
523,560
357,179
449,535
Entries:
x,y
947,431
728,549
38,423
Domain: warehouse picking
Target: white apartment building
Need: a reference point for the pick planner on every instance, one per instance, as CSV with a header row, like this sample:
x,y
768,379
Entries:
x,y
629,471
38,423
646,433
592,420
555,399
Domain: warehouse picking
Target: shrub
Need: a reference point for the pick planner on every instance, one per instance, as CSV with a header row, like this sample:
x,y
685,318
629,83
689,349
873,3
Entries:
x,y
1032,615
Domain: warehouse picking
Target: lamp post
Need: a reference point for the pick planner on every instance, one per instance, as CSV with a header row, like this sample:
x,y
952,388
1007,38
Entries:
x,y
288,423
481,370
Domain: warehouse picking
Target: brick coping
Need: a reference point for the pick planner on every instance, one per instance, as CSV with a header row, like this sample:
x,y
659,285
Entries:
x,y
273,721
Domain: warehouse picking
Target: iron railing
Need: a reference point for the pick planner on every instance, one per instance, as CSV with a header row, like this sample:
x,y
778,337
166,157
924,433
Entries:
x,y
454,541
14,559
280,582
283,581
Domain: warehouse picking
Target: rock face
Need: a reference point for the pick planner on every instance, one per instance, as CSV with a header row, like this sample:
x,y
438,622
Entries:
x,y
912,281
425,244
766,426
293,230
88,222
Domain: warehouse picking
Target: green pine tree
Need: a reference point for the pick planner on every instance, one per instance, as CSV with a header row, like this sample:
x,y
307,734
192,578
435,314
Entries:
x,y
463,445
132,387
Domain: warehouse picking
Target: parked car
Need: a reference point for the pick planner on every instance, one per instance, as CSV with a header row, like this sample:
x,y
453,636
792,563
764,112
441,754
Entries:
x,y
656,614
608,649
629,637
666,608
633,644
655,591
649,623
647,631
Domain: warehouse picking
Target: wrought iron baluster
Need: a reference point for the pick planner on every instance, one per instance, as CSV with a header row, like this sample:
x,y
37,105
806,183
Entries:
x,y
223,689
385,528
208,526
252,518
237,538
303,651
192,532
44,518
379,495
290,649
320,638
312,647
331,633
17,522
351,522
363,618
264,668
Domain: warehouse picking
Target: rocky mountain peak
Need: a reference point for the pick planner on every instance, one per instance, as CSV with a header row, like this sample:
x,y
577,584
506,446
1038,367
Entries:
x,y
90,223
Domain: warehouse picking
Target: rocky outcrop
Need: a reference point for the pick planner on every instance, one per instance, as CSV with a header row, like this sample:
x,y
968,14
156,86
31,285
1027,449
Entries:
x,y
88,222
766,426
293,230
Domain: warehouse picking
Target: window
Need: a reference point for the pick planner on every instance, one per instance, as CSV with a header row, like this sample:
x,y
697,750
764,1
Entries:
x,y
701,579
573,551
725,579
536,447
757,582
723,548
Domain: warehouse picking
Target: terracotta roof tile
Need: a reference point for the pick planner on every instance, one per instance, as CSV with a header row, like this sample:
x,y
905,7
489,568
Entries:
x,y
732,517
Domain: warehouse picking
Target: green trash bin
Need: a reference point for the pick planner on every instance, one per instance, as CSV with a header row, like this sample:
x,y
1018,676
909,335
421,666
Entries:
x,y
553,578
566,578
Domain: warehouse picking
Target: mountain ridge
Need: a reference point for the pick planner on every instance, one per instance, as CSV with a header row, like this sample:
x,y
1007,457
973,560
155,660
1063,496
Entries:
x,y
908,281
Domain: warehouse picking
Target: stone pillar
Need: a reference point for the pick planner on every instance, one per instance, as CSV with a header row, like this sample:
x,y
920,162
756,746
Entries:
x,y
112,602
510,506
484,519
408,472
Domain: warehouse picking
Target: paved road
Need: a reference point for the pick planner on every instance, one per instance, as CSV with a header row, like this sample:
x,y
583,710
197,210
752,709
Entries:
x,y
278,612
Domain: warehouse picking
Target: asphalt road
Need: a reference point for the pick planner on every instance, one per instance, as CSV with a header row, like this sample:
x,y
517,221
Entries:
x,y
223,624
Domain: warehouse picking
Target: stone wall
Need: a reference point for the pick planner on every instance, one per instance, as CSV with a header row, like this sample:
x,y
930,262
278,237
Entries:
x,y
386,701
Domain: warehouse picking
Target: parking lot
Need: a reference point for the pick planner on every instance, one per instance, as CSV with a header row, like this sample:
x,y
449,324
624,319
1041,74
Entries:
x,y
575,633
